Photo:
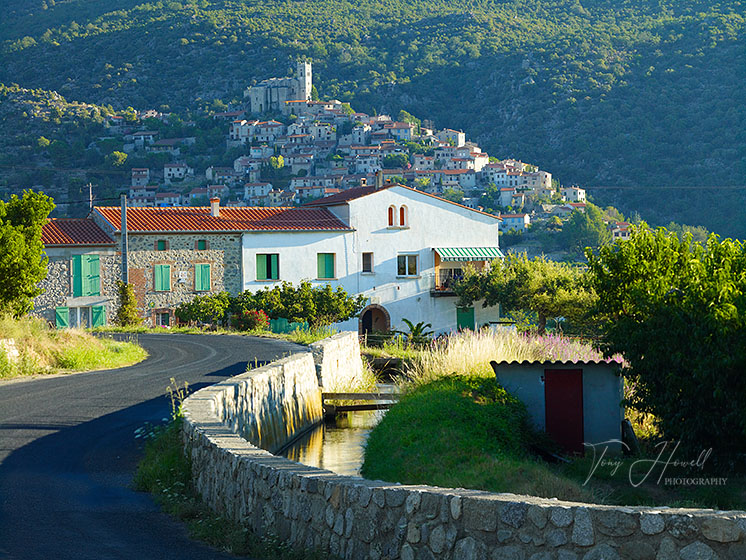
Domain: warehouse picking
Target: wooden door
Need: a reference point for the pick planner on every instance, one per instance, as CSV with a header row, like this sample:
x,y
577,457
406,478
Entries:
x,y
563,401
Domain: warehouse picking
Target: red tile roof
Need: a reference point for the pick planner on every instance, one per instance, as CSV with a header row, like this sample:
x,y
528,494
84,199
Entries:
x,y
237,219
70,231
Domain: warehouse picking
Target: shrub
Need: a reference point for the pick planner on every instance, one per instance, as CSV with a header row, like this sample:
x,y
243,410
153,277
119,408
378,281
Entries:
x,y
126,315
250,320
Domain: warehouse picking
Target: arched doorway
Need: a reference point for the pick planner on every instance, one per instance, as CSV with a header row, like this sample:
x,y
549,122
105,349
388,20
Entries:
x,y
374,318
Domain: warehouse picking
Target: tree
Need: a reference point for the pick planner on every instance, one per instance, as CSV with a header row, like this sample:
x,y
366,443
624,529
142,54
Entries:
x,y
205,309
676,310
585,229
116,159
453,195
395,161
126,315
23,263
547,288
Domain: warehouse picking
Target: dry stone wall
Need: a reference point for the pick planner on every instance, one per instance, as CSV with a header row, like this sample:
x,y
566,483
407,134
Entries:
x,y
354,518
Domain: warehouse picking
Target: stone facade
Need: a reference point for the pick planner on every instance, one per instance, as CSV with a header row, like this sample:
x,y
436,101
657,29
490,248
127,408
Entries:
x,y
58,285
222,253
355,518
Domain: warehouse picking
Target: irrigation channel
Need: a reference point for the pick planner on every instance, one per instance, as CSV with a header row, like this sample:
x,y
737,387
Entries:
x,y
338,443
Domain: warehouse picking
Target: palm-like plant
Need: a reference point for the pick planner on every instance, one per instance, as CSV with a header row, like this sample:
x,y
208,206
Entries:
x,y
418,334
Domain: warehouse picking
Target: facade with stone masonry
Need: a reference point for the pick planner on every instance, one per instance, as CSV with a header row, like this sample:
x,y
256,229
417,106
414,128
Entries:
x,y
80,287
228,426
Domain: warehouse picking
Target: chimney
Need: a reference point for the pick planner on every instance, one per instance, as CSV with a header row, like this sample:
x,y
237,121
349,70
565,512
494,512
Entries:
x,y
215,207
363,182
379,179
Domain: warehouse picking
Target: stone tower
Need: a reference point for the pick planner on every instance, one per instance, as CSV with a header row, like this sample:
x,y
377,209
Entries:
x,y
305,79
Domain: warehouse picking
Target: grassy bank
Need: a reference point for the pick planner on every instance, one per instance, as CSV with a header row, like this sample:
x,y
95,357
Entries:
x,y
455,427
31,347
165,472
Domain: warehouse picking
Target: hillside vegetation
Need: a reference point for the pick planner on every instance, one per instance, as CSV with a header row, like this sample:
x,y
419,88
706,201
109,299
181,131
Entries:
x,y
641,94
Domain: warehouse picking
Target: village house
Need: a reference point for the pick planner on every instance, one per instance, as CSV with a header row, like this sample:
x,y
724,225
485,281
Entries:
x,y
273,93
256,191
573,194
517,222
140,176
619,230
144,138
176,172
450,136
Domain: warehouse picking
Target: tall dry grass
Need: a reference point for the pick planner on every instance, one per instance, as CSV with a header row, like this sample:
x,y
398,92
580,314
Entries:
x,y
470,353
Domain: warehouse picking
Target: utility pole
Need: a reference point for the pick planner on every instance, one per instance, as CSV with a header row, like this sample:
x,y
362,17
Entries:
x,y
123,228
90,196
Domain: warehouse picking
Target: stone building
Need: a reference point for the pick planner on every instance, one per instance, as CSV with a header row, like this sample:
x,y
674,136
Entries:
x,y
80,287
272,93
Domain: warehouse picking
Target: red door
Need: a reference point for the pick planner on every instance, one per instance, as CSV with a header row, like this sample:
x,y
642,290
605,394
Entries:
x,y
563,401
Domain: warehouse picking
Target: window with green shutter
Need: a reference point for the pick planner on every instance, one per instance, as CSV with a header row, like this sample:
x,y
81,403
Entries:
x,y
161,245
162,277
268,266
201,277
201,245
86,276
325,265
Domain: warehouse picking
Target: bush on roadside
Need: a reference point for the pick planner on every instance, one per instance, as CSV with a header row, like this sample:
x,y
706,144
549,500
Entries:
x,y
250,320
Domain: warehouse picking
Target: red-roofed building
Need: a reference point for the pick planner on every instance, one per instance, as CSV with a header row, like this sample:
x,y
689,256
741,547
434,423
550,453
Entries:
x,y
80,287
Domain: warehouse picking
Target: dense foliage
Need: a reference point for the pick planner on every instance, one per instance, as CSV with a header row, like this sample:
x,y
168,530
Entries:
x,y
23,263
546,288
637,95
676,310
126,315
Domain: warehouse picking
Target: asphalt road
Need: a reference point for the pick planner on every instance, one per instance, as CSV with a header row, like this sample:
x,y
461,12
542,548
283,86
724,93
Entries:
x,y
68,452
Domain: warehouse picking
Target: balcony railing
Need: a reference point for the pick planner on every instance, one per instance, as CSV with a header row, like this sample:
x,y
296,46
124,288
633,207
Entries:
x,y
445,280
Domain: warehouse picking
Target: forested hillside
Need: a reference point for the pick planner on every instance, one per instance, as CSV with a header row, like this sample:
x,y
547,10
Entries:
x,y
640,93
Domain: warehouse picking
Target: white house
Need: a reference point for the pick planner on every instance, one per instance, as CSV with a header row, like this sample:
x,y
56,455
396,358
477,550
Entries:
x,y
518,222
449,135
573,194
400,247
253,191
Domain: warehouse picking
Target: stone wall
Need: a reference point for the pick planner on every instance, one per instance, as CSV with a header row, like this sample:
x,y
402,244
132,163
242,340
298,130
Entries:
x,y
356,518
339,366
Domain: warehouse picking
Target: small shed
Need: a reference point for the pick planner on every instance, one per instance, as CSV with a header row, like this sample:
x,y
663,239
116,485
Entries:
x,y
576,403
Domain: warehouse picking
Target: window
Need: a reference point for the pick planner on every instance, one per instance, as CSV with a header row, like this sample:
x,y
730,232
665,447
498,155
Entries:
x,y
325,265
201,245
162,277
367,262
161,245
201,277
406,265
86,277
391,216
403,216
268,267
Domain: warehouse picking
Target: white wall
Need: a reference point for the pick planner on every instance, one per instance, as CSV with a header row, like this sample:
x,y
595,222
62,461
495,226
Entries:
x,y
432,223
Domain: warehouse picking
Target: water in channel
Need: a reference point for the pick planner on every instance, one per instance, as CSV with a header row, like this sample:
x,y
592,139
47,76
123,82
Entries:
x,y
336,445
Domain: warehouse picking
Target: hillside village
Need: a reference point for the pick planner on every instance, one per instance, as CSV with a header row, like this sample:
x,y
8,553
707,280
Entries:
x,y
312,149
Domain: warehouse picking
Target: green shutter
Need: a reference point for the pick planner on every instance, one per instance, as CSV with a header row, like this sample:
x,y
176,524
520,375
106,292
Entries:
x,y
77,276
330,265
202,277
320,265
162,277
93,279
98,316
261,267
274,262
465,318
325,265
62,317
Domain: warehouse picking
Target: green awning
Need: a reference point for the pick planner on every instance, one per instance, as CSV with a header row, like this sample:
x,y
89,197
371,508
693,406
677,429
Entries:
x,y
468,253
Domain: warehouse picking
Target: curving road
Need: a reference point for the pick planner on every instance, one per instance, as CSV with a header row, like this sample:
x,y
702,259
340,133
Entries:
x,y
68,452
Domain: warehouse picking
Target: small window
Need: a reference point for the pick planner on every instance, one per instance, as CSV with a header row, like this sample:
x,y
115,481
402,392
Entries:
x,y
403,216
201,245
162,277
325,265
406,265
367,262
161,245
268,266
391,216
201,277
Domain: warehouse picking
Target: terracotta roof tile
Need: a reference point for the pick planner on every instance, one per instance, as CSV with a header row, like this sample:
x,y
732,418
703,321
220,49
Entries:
x,y
234,219
73,232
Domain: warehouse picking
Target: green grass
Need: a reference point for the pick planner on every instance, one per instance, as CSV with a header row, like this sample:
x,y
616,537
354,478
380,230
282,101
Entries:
x,y
462,431
43,350
165,472
299,336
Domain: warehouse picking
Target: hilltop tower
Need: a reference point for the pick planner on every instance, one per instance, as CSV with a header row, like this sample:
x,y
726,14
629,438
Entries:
x,y
304,77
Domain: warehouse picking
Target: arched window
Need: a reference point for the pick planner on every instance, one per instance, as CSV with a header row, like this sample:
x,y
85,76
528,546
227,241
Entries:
x,y
403,218
391,216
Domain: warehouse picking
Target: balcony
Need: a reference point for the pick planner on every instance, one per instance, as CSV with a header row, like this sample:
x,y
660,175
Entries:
x,y
445,280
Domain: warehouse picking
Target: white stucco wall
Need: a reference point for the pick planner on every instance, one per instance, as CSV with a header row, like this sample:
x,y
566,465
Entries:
x,y
432,222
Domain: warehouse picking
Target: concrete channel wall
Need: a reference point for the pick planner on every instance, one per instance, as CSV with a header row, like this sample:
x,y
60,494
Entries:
x,y
355,518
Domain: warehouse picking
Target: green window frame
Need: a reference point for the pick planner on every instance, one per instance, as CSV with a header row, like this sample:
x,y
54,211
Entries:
x,y
162,277
161,245
325,266
86,276
202,278
201,245
268,266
